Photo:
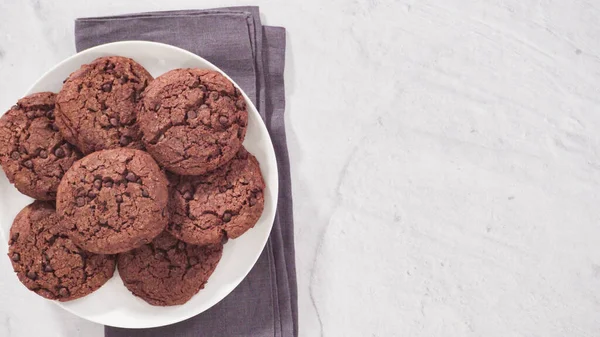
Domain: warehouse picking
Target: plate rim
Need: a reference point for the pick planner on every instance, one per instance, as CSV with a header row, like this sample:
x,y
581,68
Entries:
x,y
271,148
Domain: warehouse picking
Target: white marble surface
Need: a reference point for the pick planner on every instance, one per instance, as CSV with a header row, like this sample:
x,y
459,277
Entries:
x,y
446,162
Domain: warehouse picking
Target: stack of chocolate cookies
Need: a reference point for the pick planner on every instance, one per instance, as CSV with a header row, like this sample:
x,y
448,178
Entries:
x,y
145,175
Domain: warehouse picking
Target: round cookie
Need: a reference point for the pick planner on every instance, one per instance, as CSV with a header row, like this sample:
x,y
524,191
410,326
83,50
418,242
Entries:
x,y
193,120
168,271
222,204
48,262
97,106
112,201
33,154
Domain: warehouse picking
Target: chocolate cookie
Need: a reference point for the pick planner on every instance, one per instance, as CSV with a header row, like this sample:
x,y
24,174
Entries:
x,y
112,201
168,271
97,106
193,120
48,262
224,203
33,153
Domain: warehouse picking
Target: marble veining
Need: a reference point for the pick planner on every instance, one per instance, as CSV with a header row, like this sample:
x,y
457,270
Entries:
x,y
445,162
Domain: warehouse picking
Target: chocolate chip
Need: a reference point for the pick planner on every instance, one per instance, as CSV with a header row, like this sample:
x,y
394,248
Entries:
x,y
43,154
252,201
124,141
16,257
181,245
15,155
80,201
54,127
107,87
243,155
188,195
107,183
64,292
145,194
32,275
131,177
14,238
226,217
110,66
48,268
50,114
124,79
97,184
193,261
223,120
59,153
138,94
192,114
119,198
114,121
91,194
214,95
240,104
222,189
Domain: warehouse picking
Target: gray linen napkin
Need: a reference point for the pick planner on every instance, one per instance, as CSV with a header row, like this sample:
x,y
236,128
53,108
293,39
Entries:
x,y
265,303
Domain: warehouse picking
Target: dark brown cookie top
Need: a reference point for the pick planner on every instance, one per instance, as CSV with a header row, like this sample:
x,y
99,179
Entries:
x,y
168,271
193,120
112,201
222,204
48,262
97,106
33,154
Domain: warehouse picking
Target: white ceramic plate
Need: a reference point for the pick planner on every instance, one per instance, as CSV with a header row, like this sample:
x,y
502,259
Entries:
x,y
113,304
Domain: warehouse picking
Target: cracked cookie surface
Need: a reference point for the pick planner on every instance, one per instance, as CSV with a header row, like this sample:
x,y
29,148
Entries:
x,y
33,154
112,201
224,203
193,120
168,271
97,107
48,262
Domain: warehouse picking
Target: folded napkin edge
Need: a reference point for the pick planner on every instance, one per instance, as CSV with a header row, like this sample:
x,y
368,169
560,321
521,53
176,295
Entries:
x,y
125,18
174,13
